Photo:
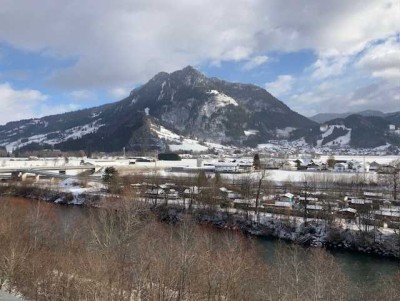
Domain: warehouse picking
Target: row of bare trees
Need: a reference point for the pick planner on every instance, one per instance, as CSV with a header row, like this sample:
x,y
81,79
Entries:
x,y
121,252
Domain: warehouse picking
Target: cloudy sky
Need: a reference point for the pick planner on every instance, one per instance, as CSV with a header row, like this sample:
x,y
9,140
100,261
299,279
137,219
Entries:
x,y
316,56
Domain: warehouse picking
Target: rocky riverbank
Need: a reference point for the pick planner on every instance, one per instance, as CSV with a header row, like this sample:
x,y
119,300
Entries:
x,y
313,234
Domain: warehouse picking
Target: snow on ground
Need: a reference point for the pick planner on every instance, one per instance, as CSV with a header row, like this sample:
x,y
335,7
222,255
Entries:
x,y
80,131
9,297
285,132
188,145
161,95
271,175
343,140
368,159
180,143
251,132
217,100
75,187
296,176
266,146
299,142
94,115
164,133
218,146
383,147
72,133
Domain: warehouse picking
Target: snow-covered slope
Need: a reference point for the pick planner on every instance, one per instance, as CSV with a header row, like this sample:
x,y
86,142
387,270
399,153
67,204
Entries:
x,y
335,135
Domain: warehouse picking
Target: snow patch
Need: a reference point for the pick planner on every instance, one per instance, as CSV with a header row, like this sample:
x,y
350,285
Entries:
x,y
340,141
80,131
72,133
164,133
217,100
285,132
188,145
251,132
161,95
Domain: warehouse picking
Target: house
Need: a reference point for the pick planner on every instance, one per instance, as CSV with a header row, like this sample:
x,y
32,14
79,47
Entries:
x,y
191,191
388,214
357,203
245,166
314,166
346,213
360,167
227,167
340,167
171,194
289,165
283,204
270,164
374,166
314,207
287,197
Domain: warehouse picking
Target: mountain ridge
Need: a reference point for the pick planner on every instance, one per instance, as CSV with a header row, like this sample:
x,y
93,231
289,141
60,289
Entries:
x,y
324,117
170,111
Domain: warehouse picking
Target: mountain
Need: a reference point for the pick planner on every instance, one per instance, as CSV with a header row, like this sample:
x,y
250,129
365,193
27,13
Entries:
x,y
324,117
355,131
169,111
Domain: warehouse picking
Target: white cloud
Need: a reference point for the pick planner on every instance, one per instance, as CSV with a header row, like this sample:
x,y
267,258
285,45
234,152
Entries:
x,y
18,104
119,92
382,60
307,98
26,103
346,95
83,95
281,86
122,42
255,62
326,67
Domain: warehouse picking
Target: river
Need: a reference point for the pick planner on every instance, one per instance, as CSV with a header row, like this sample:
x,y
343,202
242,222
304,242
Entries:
x,y
362,269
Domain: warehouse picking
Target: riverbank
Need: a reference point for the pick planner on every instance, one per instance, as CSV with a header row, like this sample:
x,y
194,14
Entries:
x,y
315,233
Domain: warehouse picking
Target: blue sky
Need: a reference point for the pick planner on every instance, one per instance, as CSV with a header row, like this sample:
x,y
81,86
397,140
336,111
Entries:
x,y
315,56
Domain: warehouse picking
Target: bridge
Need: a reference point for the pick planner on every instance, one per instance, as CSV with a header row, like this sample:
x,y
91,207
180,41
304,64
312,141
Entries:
x,y
47,171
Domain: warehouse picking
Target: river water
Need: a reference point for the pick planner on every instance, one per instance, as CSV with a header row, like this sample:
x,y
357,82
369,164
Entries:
x,y
361,269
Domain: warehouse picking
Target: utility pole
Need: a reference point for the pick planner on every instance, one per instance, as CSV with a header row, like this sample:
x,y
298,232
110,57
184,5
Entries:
x,y
364,167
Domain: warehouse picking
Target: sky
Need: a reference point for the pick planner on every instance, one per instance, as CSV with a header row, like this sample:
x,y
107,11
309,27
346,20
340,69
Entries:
x,y
315,56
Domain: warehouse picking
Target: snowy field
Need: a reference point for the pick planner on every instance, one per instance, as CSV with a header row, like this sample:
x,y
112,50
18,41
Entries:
x,y
368,159
272,175
162,167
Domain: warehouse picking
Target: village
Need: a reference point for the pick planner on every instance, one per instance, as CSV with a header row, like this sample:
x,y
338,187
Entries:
x,y
352,190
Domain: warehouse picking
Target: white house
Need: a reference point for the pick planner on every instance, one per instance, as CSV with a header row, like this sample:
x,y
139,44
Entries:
x,y
340,167
289,165
228,167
